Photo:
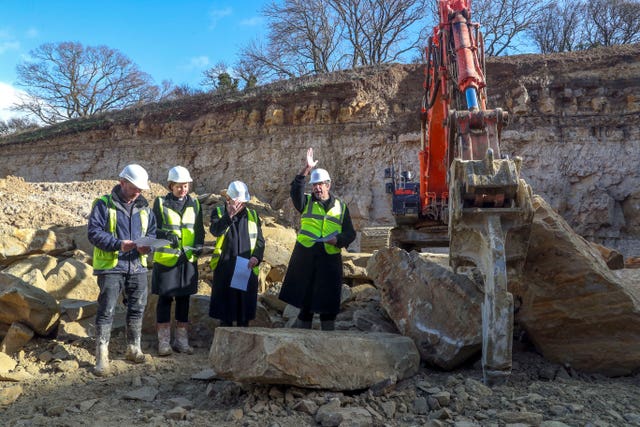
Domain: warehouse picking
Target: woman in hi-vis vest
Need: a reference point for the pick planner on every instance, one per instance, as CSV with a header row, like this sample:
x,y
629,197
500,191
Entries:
x,y
175,266
238,250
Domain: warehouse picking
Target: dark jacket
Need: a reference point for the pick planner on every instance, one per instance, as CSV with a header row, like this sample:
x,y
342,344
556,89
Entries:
x,y
314,277
128,227
182,278
229,304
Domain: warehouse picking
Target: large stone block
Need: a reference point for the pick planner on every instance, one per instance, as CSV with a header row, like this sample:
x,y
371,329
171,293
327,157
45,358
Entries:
x,y
337,360
575,309
21,302
438,309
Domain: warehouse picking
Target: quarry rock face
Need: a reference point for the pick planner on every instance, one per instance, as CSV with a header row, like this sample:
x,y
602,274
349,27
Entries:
x,y
573,119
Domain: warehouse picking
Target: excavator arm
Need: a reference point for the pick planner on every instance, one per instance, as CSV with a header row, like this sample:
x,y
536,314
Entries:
x,y
465,183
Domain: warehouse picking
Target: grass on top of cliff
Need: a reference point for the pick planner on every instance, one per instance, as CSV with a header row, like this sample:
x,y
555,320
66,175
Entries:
x,y
191,107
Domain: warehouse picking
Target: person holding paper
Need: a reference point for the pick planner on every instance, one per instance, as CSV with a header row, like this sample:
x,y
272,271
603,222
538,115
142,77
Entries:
x,y
238,251
175,266
115,222
313,281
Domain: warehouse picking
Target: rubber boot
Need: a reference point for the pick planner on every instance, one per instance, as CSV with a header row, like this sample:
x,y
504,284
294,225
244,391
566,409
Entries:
x,y
181,344
302,324
164,339
328,325
134,352
102,367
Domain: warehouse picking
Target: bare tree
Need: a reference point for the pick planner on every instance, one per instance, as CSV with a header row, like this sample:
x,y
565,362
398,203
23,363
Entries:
x,y
611,22
17,124
377,31
319,36
302,39
505,23
559,28
219,79
68,80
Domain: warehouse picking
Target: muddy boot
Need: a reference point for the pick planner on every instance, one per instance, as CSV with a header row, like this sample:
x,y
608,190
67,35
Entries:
x,y
164,339
102,367
134,352
302,324
181,344
328,325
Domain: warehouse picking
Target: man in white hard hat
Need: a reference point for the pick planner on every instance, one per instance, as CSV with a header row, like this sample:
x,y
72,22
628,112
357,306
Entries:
x,y
116,221
313,281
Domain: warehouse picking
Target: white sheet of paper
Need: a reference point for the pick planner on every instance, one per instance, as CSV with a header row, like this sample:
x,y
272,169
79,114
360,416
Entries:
x,y
151,242
241,274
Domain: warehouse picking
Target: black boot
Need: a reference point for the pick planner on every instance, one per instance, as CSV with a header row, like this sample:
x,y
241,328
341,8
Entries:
x,y
328,325
302,324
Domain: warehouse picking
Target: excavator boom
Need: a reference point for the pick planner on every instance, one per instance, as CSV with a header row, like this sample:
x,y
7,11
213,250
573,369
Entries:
x,y
465,185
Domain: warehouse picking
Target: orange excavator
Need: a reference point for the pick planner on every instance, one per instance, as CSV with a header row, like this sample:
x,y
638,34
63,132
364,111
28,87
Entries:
x,y
467,195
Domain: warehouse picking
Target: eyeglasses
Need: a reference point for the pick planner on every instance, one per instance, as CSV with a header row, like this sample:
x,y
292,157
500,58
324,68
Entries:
x,y
316,184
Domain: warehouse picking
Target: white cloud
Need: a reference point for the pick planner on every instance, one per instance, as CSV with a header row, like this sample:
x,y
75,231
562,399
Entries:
x,y
7,45
254,21
198,63
32,33
217,14
8,96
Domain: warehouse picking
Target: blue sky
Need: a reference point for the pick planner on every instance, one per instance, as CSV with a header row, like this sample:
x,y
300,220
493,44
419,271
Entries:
x,y
170,40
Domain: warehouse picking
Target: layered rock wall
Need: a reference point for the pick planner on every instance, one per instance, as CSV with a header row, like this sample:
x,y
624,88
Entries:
x,y
574,121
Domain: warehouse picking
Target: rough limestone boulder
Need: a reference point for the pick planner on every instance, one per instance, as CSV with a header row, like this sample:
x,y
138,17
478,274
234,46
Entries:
x,y
73,279
338,360
439,310
18,243
574,308
21,302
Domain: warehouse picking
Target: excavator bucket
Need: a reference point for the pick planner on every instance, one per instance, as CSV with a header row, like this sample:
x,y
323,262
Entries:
x,y
490,216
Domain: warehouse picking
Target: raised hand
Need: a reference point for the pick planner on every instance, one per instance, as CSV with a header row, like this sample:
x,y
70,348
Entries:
x,y
310,162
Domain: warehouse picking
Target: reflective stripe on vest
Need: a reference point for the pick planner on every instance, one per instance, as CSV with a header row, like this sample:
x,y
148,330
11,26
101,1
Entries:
x,y
252,224
183,227
106,260
316,223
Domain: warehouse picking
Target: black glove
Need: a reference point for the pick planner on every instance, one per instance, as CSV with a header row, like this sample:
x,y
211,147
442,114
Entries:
x,y
175,243
197,251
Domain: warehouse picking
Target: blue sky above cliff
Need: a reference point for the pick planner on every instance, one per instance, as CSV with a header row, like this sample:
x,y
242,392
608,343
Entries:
x,y
169,40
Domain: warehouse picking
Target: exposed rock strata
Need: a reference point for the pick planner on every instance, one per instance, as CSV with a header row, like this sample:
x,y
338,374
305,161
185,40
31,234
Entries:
x,y
574,121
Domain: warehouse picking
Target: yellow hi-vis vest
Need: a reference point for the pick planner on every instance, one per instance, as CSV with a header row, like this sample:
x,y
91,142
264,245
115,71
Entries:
x,y
316,223
106,260
252,223
183,227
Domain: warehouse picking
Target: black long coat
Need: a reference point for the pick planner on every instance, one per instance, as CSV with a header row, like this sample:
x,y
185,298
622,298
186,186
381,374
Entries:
x,y
182,278
314,277
229,304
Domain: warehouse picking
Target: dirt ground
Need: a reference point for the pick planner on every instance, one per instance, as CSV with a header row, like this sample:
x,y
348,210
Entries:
x,y
57,388
61,391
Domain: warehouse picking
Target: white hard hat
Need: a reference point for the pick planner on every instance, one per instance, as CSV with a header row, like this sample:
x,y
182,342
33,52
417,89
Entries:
x,y
136,175
179,174
238,190
319,175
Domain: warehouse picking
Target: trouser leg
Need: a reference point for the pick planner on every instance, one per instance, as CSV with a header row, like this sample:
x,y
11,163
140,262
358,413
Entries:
x,y
328,322
136,296
110,286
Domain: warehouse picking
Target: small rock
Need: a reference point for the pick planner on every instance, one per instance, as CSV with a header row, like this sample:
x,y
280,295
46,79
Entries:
x,y
306,406
8,395
146,394
178,413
